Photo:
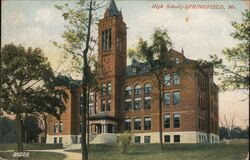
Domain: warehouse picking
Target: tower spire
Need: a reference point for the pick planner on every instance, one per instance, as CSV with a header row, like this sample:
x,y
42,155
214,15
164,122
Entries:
x,y
113,8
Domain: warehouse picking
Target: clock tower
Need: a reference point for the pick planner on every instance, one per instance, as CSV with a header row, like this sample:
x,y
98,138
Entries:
x,y
112,46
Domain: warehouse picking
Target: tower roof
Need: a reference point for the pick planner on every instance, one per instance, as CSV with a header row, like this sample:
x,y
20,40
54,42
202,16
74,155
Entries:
x,y
113,8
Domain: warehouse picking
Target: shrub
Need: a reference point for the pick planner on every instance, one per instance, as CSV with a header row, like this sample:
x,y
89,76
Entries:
x,y
124,140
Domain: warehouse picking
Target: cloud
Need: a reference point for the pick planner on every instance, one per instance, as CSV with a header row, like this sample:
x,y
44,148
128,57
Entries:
x,y
204,29
15,18
48,16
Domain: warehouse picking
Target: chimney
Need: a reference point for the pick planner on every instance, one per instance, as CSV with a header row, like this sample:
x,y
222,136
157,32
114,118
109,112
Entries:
x,y
182,50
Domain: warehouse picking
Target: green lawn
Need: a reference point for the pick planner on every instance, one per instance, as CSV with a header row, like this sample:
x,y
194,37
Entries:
x,y
235,151
171,152
35,156
32,146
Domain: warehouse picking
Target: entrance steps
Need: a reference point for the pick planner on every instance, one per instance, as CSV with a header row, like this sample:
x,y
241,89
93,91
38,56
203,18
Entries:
x,y
104,138
73,146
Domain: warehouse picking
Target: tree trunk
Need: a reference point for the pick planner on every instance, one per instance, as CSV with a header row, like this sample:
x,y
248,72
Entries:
x,y
160,114
45,127
84,87
83,134
88,117
19,132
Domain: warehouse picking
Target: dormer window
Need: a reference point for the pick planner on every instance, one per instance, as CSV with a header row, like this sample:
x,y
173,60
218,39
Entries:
x,y
133,69
148,67
177,60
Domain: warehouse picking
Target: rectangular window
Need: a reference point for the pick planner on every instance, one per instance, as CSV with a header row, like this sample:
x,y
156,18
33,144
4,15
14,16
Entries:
x,y
176,78
109,105
147,123
80,127
147,103
106,40
103,89
103,105
167,138
127,104
167,121
109,39
137,123
55,127
167,98
128,124
176,138
91,97
103,40
147,139
167,79
176,120
137,103
109,88
55,140
61,127
60,140
137,139
91,108
176,98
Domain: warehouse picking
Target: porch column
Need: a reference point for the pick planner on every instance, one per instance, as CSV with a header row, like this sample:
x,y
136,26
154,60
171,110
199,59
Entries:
x,y
113,128
105,128
96,129
102,128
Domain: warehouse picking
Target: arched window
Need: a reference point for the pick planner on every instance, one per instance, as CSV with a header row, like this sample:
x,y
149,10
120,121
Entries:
x,y
147,88
128,91
138,90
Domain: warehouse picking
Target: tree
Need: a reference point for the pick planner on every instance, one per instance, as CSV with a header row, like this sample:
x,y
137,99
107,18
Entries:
x,y
78,45
7,130
233,69
157,58
30,129
28,85
59,81
228,123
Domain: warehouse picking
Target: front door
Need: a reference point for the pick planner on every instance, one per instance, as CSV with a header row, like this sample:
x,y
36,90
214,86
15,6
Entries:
x,y
110,128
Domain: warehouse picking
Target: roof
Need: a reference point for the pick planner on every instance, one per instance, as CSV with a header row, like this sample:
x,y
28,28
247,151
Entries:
x,y
101,116
113,8
141,68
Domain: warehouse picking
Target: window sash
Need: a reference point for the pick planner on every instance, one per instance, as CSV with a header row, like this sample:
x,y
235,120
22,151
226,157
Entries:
x,y
167,138
147,123
147,139
176,78
137,123
167,121
137,105
176,120
176,98
167,79
137,139
176,138
167,98
137,91
147,103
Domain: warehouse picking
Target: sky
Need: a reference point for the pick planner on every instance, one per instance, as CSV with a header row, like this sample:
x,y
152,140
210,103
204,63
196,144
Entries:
x,y
200,32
